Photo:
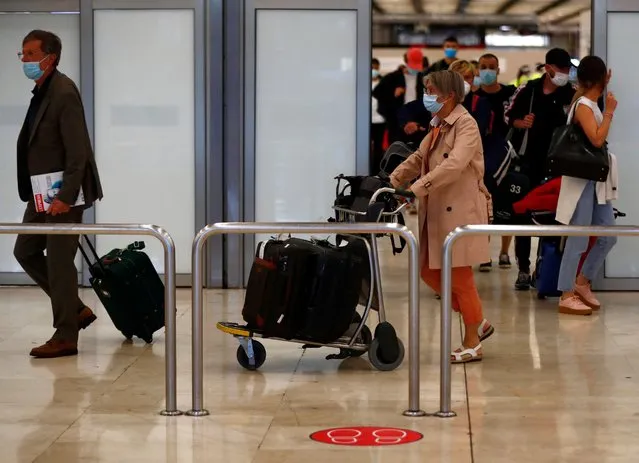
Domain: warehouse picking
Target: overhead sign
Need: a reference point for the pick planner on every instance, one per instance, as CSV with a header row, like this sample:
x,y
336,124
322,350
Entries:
x,y
366,436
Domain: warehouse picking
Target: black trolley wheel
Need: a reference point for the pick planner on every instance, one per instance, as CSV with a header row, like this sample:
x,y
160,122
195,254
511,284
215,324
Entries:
x,y
259,353
378,360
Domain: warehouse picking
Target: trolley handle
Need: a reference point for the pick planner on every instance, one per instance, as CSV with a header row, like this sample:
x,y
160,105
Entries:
x,y
405,193
393,191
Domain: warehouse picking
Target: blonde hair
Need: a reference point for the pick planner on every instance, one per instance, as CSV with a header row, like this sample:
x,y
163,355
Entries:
x,y
447,82
462,67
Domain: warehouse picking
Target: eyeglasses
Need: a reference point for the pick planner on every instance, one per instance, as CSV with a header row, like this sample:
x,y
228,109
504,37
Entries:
x,y
29,55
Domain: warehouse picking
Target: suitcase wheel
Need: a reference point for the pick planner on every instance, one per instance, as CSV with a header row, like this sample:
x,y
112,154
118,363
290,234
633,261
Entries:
x,y
259,355
380,361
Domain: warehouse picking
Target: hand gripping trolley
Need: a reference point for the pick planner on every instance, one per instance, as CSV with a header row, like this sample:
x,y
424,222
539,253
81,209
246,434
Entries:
x,y
385,349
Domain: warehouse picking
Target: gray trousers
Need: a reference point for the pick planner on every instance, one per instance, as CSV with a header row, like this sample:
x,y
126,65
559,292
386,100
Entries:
x,y
56,272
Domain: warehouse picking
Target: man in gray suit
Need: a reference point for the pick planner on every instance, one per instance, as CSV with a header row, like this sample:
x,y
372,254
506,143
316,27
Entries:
x,y
54,138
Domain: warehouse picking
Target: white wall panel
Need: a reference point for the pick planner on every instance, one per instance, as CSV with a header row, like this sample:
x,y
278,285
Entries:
x,y
305,119
623,261
145,126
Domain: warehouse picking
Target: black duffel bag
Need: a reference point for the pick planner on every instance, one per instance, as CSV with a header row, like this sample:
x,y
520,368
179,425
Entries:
x,y
572,154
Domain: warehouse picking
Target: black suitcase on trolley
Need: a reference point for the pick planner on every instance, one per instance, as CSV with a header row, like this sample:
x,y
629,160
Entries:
x,y
129,288
278,289
334,291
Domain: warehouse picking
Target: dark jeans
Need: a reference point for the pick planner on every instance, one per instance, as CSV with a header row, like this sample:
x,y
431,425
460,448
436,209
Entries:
x,y
56,272
523,246
377,149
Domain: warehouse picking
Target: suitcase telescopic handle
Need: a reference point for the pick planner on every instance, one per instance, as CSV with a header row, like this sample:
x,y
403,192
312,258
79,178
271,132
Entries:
x,y
93,252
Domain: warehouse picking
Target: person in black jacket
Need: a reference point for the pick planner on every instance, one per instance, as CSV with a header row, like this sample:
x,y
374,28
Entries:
x,y
397,89
415,119
480,105
539,107
378,125
451,47
495,146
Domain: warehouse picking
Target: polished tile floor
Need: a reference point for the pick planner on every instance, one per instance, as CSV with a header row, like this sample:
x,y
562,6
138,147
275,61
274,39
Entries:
x,y
551,388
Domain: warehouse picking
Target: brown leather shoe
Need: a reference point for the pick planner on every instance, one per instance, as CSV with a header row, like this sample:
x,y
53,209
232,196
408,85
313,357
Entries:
x,y
85,318
55,348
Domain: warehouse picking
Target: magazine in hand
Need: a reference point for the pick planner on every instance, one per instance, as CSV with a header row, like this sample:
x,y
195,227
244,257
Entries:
x,y
46,187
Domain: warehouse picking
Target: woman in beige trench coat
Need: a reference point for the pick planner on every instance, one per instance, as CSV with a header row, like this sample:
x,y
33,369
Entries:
x,y
449,168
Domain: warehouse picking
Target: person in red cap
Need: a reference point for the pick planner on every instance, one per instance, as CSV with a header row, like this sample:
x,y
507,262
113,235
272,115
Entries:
x,y
399,88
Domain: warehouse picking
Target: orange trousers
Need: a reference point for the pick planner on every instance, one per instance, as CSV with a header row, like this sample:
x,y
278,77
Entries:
x,y
465,295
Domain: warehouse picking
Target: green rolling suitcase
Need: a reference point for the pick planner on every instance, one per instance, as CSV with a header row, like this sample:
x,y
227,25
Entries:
x,y
130,289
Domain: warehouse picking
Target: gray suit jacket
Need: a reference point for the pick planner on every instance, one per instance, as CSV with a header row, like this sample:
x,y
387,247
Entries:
x,y
59,141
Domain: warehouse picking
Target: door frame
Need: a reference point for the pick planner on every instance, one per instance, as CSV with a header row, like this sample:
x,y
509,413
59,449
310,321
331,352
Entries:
x,y
87,12
599,38
245,190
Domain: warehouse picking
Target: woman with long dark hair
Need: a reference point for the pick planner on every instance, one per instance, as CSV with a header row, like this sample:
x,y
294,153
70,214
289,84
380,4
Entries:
x,y
586,202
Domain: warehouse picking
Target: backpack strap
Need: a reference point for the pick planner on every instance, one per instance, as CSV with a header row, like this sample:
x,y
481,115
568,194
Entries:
x,y
473,106
491,124
402,242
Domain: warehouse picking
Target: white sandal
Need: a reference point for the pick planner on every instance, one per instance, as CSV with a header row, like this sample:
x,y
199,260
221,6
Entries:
x,y
467,355
485,330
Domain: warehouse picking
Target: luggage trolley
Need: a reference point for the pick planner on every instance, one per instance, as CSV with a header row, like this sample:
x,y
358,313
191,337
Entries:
x,y
385,349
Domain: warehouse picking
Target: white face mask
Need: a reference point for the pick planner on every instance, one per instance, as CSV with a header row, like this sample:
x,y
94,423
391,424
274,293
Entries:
x,y
467,88
560,79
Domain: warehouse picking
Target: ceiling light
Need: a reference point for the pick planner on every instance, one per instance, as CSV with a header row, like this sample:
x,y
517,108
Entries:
x,y
501,40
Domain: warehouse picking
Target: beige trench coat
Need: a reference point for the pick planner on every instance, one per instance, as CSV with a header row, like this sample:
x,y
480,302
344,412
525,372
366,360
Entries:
x,y
450,190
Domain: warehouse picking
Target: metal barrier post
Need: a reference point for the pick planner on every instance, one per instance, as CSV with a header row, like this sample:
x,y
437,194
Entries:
x,y
445,386
169,281
323,228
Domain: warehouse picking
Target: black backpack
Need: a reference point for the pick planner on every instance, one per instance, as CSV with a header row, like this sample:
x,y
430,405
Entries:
x,y
396,153
354,193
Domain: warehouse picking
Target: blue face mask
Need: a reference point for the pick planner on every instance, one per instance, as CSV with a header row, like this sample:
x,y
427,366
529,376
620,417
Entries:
x,y
413,72
431,104
488,76
375,73
32,69
477,81
450,53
